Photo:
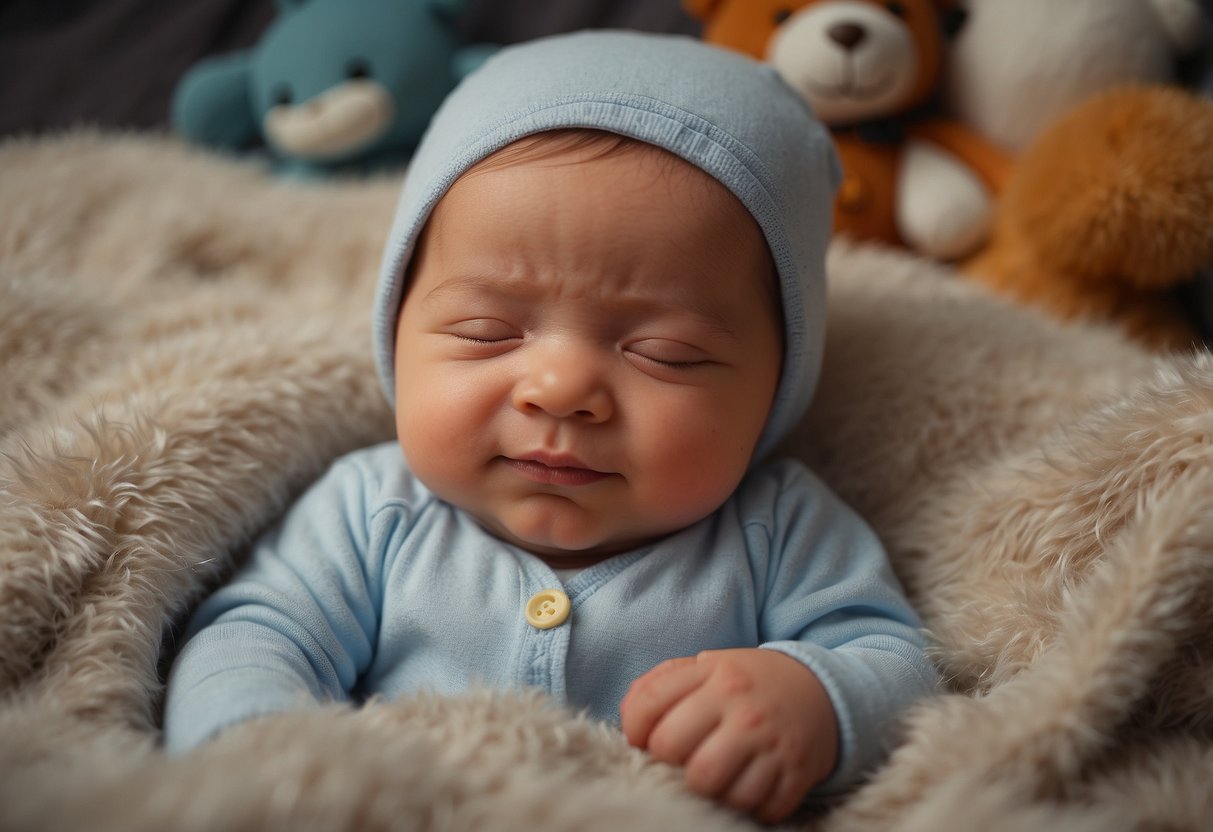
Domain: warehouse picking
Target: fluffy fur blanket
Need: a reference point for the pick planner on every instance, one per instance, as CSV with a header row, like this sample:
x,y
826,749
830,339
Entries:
x,y
185,346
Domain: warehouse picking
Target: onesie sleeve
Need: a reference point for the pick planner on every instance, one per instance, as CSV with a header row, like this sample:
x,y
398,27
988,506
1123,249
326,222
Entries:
x,y
831,601
296,626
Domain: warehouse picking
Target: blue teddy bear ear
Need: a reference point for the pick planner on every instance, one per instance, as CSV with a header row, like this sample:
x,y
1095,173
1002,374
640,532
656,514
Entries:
x,y
446,9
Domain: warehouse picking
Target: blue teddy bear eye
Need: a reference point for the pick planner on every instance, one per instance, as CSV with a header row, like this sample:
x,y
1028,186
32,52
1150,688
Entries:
x,y
283,95
358,68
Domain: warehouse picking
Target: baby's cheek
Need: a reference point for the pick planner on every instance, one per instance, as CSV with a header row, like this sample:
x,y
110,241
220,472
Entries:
x,y
428,433
696,469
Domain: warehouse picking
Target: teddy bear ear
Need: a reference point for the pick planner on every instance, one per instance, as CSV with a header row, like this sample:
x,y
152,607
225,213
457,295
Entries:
x,y
446,9
701,9
1184,22
952,16
953,20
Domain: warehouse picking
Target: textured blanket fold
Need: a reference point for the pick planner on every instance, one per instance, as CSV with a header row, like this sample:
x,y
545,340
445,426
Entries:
x,y
185,346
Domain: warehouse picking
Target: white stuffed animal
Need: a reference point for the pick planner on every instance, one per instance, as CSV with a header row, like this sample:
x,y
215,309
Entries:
x,y
1019,65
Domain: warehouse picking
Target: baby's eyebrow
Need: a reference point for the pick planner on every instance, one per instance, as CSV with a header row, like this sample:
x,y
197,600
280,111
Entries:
x,y
469,289
523,290
471,283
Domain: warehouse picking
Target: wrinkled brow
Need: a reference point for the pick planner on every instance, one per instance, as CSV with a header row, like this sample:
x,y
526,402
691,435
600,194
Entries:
x,y
528,291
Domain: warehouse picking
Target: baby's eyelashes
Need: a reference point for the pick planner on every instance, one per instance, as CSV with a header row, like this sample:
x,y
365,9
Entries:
x,y
668,353
670,359
484,330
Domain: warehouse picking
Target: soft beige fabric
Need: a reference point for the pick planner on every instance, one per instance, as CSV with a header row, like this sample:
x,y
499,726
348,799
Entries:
x,y
185,345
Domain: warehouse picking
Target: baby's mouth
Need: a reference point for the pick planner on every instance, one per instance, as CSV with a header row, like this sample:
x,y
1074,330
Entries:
x,y
554,470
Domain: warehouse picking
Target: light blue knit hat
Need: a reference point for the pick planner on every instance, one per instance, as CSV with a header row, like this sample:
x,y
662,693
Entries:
x,y
724,113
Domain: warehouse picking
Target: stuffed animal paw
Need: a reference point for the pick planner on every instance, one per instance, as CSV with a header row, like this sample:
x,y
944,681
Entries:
x,y
1107,211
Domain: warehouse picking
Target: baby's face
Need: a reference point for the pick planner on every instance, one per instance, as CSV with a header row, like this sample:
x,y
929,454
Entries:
x,y
588,350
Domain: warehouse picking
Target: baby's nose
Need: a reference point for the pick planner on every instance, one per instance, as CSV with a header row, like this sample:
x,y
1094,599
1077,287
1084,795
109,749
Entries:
x,y
565,385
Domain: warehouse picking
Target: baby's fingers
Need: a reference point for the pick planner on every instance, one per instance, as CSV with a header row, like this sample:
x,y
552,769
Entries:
x,y
754,786
787,794
750,764
685,727
724,756
652,695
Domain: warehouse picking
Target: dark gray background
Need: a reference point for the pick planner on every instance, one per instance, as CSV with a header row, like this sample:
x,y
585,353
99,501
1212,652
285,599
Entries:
x,y
114,63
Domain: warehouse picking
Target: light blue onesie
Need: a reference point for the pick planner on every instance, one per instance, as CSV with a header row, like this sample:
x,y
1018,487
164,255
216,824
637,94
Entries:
x,y
371,585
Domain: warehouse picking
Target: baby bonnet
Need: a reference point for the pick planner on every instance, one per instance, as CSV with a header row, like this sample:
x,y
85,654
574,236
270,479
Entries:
x,y
725,113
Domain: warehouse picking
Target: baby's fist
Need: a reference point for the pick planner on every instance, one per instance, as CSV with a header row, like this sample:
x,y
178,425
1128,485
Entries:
x,y
754,729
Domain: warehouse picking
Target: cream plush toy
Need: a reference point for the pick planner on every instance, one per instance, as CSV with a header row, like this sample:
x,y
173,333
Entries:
x,y
1018,66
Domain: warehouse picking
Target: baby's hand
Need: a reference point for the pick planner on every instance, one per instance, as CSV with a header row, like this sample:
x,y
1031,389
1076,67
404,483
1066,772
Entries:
x,y
754,729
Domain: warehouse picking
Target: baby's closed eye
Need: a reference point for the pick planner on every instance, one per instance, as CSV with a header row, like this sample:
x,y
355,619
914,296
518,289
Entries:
x,y
668,352
484,330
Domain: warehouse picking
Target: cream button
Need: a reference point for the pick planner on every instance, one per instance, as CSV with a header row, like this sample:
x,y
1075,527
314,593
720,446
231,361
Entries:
x,y
547,608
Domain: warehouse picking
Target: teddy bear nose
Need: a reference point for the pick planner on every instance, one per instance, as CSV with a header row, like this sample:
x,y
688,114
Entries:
x,y
847,35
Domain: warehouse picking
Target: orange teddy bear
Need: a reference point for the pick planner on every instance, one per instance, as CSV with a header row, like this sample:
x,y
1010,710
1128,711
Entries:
x,y
865,66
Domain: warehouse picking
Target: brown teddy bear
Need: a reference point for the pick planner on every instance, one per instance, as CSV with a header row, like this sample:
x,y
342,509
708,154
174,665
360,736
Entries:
x,y
1107,211
866,67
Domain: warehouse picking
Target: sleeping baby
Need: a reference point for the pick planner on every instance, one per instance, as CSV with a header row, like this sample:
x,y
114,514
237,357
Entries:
x,y
600,307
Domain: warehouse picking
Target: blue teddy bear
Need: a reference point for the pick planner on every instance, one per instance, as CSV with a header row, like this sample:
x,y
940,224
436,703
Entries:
x,y
333,84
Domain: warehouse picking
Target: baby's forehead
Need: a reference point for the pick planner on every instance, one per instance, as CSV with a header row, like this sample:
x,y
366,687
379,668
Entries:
x,y
644,199
633,162
531,163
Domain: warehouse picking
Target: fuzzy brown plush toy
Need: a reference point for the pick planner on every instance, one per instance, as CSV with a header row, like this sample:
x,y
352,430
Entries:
x,y
1107,211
